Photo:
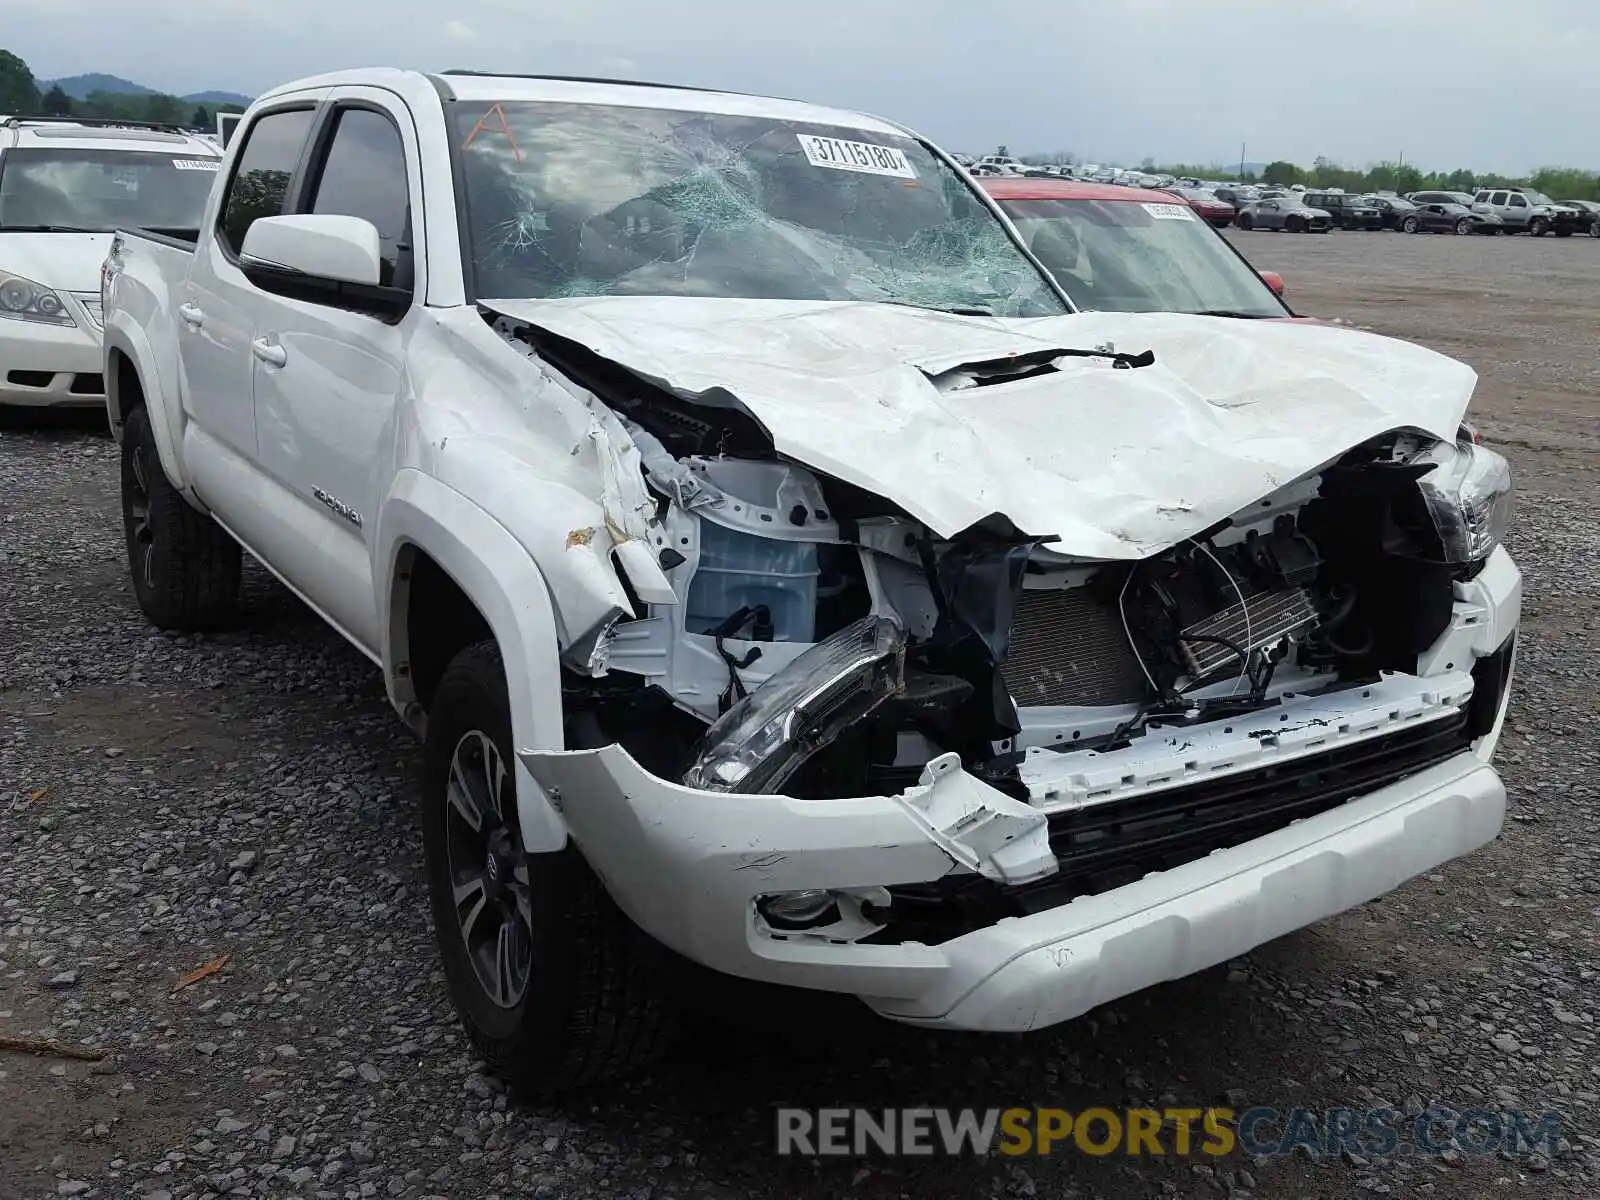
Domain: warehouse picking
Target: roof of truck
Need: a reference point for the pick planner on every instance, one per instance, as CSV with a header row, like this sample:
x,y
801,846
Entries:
x,y
480,86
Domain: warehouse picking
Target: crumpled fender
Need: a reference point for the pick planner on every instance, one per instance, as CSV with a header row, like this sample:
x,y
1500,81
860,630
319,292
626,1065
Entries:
x,y
501,577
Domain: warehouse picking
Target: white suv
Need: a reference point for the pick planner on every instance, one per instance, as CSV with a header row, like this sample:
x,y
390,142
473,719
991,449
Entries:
x,y
66,185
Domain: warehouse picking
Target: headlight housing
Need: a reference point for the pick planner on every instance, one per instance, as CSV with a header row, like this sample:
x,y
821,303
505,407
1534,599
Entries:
x,y
24,300
759,742
1465,501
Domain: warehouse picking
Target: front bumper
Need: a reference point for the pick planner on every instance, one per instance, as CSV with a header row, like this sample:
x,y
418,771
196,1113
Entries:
x,y
51,365
689,866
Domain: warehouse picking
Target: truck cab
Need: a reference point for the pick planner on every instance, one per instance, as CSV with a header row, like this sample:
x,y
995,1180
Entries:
x,y
66,185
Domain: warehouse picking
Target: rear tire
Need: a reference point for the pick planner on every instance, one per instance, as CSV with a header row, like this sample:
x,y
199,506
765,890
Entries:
x,y
1411,225
579,998
1463,227
185,567
1245,222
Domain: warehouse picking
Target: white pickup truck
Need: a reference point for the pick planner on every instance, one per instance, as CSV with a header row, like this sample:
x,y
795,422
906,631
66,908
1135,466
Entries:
x,y
783,579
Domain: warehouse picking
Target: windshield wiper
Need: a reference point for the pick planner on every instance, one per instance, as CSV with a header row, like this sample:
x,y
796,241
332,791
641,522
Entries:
x,y
959,311
45,229
1229,312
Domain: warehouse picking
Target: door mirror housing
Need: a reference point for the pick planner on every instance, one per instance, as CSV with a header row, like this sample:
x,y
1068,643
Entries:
x,y
322,259
1274,281
345,249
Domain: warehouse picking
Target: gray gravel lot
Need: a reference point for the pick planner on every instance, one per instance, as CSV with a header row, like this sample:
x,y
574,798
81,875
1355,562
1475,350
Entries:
x,y
165,801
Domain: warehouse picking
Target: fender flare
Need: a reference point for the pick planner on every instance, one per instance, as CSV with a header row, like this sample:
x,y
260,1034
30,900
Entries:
x,y
130,343
502,579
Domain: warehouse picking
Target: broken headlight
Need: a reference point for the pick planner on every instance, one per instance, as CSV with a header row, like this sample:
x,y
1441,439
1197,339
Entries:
x,y
1465,502
759,742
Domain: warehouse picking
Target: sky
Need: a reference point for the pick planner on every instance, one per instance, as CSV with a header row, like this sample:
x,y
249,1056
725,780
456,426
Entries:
x,y
1494,85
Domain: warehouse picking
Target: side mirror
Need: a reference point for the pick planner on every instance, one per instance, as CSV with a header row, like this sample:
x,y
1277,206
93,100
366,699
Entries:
x,y
345,249
322,259
1274,281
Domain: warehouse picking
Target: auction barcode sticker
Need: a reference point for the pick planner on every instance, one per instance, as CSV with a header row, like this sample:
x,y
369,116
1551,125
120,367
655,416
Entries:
x,y
855,156
1170,212
197,164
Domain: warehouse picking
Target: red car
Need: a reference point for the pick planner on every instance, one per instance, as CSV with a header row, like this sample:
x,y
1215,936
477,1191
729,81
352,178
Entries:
x,y
1120,249
1216,211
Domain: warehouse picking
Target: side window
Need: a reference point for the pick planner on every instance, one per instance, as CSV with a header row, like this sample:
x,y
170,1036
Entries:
x,y
364,175
1519,201
260,182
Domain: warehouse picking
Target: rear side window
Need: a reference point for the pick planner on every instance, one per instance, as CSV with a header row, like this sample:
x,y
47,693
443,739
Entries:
x,y
364,176
260,184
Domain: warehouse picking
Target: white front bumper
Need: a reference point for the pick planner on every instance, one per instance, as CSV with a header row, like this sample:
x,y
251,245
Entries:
x,y
688,867
1029,973
60,352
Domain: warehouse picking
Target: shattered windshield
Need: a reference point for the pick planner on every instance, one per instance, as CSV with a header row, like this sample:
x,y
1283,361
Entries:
x,y
589,200
1122,256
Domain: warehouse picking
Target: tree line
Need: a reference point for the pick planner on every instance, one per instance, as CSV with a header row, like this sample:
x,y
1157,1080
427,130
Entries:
x,y
20,97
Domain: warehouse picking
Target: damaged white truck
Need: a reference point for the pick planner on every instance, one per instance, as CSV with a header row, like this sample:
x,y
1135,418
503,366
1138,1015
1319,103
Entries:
x,y
783,578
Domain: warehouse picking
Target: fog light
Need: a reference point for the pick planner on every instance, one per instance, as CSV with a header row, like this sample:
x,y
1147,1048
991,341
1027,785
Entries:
x,y
799,910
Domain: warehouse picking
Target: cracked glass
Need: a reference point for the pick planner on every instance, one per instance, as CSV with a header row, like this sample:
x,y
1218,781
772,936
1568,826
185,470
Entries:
x,y
588,200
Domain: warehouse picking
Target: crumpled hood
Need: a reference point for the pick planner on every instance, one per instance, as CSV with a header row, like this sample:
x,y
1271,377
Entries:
x,y
63,262
1114,463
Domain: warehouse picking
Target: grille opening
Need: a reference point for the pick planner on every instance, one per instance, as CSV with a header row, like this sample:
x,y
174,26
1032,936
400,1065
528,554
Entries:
x,y
1108,845
88,385
33,379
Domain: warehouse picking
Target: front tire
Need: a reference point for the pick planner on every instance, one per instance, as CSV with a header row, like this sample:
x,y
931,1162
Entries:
x,y
1245,222
556,987
1538,227
185,567
1294,225
1463,227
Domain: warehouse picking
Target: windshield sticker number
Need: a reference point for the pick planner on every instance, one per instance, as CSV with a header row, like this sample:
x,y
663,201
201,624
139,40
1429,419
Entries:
x,y
1169,212
855,156
197,164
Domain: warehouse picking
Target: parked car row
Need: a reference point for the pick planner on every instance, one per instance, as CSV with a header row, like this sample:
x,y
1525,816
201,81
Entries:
x,y
1299,209
1488,211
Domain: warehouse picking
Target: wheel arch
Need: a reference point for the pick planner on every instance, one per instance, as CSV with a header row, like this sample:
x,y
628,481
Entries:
x,y
132,383
447,565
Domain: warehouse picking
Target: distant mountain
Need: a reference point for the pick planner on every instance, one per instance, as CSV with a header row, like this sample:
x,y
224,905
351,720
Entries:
x,y
219,98
79,87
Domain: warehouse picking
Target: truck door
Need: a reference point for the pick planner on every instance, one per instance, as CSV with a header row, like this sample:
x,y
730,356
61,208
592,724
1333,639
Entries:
x,y
328,380
215,305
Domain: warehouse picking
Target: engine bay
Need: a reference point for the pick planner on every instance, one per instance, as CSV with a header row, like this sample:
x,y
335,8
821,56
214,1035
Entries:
x,y
987,645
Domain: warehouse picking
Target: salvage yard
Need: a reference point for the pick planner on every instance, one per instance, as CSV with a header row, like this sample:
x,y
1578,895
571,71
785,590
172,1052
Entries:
x,y
168,801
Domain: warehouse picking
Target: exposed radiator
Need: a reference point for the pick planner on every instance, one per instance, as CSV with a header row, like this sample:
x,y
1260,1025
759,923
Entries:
x,y
1068,649
1262,619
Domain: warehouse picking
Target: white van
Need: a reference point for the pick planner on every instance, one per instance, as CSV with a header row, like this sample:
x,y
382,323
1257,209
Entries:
x,y
66,185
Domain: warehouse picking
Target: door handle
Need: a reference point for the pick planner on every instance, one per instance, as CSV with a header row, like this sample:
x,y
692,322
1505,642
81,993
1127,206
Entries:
x,y
270,353
191,315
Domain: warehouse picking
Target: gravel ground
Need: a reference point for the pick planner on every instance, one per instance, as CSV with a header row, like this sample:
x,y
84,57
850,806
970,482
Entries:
x,y
166,801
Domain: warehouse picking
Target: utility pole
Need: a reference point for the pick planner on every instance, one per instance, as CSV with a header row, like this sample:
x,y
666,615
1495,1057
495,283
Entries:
x,y
1241,160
